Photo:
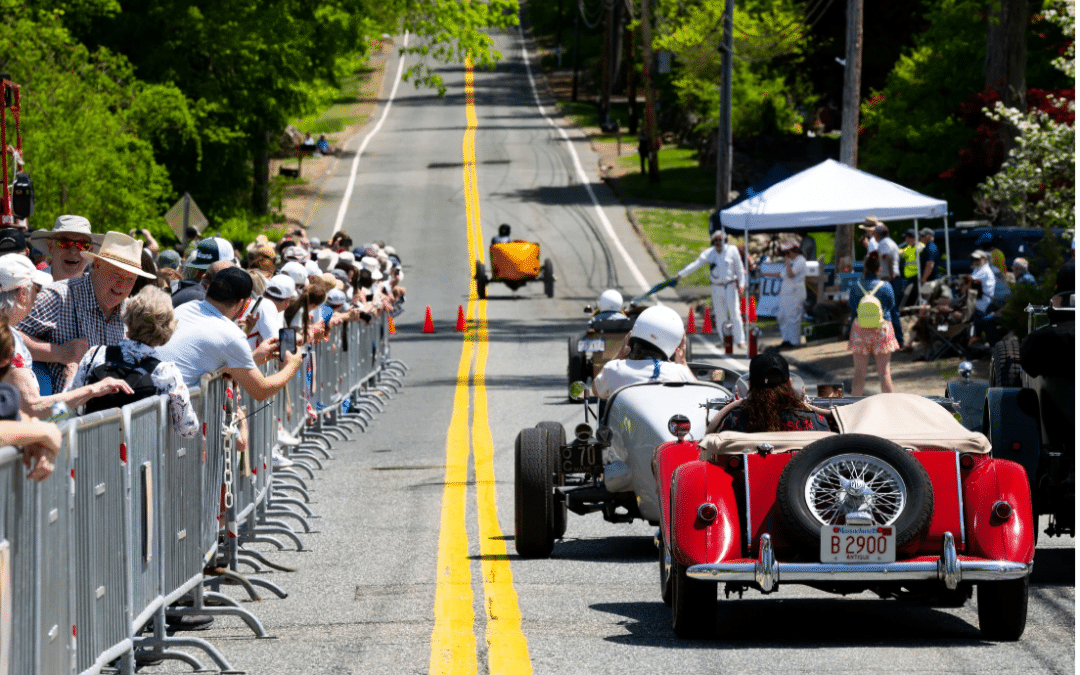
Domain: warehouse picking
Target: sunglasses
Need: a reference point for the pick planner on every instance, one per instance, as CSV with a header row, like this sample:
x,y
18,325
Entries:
x,y
72,243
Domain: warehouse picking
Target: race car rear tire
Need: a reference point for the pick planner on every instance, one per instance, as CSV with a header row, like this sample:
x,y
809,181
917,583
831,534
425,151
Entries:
x,y
693,604
481,280
549,278
1005,364
665,571
556,438
533,537
1003,609
885,458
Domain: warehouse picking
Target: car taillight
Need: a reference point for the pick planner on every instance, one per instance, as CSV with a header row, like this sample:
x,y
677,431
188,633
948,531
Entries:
x,y
967,461
707,512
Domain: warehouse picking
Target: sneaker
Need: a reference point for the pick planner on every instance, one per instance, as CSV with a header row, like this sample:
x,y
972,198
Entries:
x,y
285,438
281,461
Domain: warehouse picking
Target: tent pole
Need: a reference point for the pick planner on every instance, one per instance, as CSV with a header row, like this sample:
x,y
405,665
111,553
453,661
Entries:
x,y
747,295
918,268
948,253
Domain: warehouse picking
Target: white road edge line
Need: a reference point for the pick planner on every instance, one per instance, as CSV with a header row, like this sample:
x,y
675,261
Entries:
x,y
363,146
638,276
634,270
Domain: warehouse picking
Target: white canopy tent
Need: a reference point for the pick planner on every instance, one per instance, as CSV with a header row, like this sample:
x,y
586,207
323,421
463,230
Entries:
x,y
827,195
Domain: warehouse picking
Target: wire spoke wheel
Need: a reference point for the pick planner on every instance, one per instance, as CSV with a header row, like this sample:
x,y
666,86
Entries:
x,y
848,483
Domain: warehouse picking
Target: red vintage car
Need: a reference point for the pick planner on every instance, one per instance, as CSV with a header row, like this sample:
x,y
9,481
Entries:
x,y
902,501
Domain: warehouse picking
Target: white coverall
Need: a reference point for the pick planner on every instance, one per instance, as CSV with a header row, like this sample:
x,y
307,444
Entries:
x,y
792,301
728,280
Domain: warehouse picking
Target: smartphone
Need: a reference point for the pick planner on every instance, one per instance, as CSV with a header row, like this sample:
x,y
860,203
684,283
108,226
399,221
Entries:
x,y
286,342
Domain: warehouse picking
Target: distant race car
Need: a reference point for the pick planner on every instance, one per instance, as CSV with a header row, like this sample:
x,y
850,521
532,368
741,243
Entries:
x,y
902,500
515,264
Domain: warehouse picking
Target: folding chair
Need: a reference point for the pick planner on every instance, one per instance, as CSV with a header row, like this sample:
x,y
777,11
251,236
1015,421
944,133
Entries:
x,y
953,339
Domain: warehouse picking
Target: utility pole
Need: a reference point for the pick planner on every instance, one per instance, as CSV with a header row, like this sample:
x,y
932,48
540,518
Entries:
x,y
631,83
650,93
577,51
723,130
605,71
849,132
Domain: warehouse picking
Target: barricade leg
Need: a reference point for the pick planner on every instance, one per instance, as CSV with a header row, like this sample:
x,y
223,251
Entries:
x,y
224,605
260,558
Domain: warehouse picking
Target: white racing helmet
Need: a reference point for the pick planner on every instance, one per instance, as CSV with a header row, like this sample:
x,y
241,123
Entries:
x,y
610,301
660,327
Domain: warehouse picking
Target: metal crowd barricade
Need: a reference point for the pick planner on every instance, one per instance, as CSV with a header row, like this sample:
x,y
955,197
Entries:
x,y
136,518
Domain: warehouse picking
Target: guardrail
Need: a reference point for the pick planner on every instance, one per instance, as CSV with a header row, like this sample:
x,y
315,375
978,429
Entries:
x,y
137,524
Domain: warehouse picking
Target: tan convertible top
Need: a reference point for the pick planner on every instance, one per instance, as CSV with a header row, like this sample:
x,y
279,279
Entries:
x,y
906,419
909,420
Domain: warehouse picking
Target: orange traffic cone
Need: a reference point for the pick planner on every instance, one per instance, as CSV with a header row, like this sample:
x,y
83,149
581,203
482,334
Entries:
x,y
691,323
429,325
706,326
393,331
460,326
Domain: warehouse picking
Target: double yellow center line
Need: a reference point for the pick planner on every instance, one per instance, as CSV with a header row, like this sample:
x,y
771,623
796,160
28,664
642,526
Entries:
x,y
453,639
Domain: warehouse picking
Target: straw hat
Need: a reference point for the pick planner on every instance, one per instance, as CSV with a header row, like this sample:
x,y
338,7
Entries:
x,y
122,251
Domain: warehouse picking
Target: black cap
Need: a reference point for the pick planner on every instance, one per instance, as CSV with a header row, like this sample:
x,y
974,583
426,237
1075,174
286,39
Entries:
x,y
768,369
12,241
229,285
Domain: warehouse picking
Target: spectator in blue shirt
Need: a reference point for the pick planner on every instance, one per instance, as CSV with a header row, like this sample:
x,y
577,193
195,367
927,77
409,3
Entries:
x,y
930,258
1023,276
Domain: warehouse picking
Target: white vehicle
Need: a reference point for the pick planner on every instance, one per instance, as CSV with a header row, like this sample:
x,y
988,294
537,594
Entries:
x,y
609,471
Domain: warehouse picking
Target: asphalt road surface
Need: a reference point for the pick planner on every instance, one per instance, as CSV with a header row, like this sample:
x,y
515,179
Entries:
x,y
412,567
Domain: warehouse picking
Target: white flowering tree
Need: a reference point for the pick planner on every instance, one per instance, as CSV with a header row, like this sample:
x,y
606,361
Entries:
x,y
1037,182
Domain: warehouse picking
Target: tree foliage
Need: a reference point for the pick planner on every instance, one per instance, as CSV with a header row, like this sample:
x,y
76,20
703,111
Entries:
x,y
764,100
87,124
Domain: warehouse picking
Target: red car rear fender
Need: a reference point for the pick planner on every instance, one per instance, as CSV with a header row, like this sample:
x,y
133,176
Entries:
x,y
692,540
989,535
670,456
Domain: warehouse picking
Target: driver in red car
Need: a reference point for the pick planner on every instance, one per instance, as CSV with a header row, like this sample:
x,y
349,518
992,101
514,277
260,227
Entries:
x,y
772,404
655,350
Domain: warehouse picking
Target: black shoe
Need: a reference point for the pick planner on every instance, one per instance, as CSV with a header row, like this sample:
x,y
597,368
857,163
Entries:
x,y
189,621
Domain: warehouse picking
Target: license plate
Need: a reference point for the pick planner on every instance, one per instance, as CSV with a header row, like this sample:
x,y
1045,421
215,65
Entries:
x,y
594,345
858,544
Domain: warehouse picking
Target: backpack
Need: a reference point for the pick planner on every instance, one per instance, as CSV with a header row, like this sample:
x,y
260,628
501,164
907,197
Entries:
x,y
114,366
869,312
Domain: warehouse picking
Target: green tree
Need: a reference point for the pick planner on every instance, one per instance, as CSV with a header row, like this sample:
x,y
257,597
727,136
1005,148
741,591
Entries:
x,y
765,101
86,125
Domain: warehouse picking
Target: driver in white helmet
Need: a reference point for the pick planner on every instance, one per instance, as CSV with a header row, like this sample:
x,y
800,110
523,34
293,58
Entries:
x,y
654,351
609,307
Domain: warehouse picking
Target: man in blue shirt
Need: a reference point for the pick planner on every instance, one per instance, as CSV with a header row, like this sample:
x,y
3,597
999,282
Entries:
x,y
930,257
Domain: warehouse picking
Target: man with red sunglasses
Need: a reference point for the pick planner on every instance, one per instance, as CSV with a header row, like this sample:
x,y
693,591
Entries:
x,y
64,245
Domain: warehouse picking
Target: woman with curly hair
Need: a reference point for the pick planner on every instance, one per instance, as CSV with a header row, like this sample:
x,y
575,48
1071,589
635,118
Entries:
x,y
772,404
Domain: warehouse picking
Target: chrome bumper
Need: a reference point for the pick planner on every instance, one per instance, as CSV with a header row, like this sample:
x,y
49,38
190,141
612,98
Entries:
x,y
766,572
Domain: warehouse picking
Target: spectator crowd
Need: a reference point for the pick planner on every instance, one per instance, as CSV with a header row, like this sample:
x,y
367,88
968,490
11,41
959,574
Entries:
x,y
94,321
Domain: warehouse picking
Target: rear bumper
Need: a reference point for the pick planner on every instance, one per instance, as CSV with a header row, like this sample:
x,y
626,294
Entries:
x,y
767,572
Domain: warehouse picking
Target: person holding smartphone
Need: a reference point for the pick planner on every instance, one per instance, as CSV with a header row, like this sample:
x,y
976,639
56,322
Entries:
x,y
207,339
269,309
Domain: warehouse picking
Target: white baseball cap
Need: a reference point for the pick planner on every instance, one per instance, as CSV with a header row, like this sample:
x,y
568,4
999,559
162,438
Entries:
x,y
335,298
16,270
296,272
371,265
280,287
313,269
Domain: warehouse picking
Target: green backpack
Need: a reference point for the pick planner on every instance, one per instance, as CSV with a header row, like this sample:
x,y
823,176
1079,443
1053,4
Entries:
x,y
869,312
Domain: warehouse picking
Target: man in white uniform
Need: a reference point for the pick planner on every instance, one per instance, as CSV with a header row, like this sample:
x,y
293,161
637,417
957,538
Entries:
x,y
728,282
654,351
792,295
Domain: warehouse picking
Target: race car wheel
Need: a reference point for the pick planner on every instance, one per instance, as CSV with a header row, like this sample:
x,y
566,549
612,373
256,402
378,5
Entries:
x,y
549,278
1005,364
665,572
481,280
533,537
693,604
556,438
1003,609
835,476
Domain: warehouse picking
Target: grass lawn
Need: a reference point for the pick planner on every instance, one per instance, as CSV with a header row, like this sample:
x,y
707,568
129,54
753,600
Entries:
x,y
681,179
679,236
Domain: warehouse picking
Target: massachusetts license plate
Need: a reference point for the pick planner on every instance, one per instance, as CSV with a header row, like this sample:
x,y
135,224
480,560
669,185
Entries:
x,y
594,345
858,544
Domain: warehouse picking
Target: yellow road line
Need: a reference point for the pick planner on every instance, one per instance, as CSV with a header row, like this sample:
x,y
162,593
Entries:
x,y
453,640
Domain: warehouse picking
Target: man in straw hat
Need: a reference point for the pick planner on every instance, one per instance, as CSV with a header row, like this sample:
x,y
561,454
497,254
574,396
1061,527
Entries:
x,y
64,245
70,316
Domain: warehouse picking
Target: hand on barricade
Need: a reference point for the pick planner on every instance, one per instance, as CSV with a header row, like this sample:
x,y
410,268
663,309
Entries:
x,y
39,454
318,333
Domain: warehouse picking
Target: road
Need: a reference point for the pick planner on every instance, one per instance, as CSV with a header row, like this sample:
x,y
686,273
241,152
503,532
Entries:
x,y
412,567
